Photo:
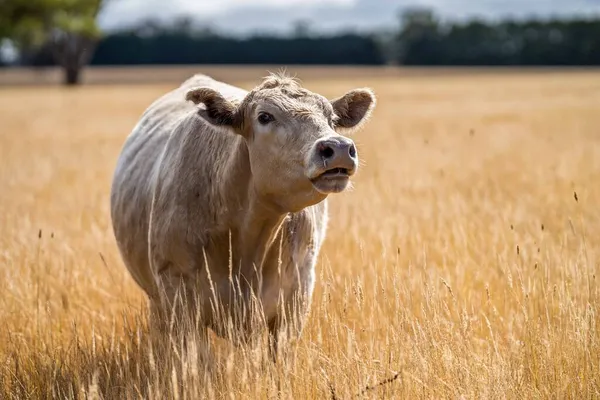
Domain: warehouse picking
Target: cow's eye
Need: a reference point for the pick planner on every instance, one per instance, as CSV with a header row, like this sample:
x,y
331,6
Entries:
x,y
264,118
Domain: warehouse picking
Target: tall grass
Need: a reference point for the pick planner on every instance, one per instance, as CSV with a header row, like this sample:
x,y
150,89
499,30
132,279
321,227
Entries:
x,y
464,264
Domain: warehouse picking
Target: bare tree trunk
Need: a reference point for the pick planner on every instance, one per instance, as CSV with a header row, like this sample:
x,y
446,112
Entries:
x,y
72,52
72,74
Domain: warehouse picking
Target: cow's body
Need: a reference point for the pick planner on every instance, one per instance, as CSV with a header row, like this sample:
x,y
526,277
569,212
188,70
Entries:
x,y
190,217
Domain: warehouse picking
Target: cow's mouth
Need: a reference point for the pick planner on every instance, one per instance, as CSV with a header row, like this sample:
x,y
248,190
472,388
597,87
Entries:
x,y
335,173
333,180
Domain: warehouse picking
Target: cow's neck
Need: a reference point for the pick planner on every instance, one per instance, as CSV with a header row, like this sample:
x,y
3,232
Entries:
x,y
257,234
258,220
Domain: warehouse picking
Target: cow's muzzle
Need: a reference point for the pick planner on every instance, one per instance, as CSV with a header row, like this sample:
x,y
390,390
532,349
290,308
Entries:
x,y
336,161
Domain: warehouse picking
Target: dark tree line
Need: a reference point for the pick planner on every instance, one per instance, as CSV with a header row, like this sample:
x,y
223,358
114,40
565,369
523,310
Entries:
x,y
426,41
180,48
421,39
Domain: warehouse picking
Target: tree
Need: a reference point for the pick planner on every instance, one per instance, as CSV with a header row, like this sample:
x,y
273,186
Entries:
x,y
67,27
419,36
301,28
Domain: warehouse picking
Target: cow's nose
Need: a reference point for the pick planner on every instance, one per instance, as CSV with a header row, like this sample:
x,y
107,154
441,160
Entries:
x,y
332,148
337,152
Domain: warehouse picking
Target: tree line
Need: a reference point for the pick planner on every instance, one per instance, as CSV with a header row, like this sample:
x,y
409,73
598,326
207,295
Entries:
x,y
424,40
172,47
421,38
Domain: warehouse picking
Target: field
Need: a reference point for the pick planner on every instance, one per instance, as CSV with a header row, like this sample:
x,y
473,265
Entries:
x,y
462,265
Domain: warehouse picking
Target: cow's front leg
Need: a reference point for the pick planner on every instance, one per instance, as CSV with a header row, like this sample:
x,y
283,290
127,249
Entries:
x,y
177,312
286,327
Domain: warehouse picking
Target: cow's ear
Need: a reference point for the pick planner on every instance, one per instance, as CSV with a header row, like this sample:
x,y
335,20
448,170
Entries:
x,y
353,108
217,109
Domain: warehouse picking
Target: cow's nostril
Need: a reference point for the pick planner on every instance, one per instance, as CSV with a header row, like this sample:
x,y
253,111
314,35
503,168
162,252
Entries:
x,y
352,151
326,152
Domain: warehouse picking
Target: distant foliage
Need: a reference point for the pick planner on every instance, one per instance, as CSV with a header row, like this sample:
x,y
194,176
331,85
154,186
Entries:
x,y
420,39
182,48
426,41
52,31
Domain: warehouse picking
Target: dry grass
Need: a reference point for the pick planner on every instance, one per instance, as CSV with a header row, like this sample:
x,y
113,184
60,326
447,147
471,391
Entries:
x,y
462,265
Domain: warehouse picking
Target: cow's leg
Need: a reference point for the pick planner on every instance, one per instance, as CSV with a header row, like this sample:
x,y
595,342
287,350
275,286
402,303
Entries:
x,y
287,326
176,315
294,260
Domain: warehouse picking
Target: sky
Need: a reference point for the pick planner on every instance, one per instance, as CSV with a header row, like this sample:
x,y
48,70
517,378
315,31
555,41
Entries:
x,y
241,17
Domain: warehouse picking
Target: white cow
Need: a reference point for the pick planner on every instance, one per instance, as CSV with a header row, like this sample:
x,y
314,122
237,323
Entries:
x,y
219,198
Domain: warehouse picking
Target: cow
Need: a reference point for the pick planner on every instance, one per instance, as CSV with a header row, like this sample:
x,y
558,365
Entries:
x,y
219,199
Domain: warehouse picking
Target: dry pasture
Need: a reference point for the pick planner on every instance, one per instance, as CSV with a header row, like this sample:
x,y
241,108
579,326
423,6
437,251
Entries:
x,y
464,264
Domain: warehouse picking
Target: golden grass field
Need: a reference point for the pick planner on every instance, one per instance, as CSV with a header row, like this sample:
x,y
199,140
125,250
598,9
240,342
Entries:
x,y
463,264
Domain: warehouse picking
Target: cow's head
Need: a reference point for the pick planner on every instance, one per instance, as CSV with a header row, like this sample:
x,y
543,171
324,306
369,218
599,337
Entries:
x,y
297,153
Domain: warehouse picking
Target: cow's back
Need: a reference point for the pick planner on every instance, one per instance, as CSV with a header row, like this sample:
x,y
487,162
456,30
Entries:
x,y
137,166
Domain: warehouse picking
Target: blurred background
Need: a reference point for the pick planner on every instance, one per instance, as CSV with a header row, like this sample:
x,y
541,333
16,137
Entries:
x,y
464,262
58,40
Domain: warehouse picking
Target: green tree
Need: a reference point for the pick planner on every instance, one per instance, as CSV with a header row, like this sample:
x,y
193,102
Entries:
x,y
419,36
67,27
